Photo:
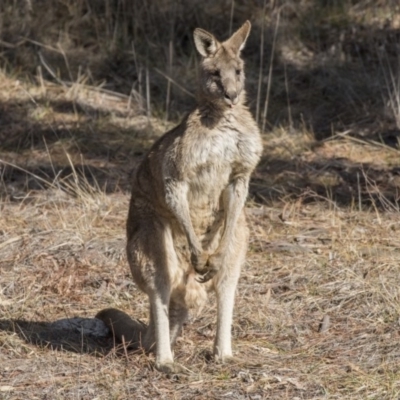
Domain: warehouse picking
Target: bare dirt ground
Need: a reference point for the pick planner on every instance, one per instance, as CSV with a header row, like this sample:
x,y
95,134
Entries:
x,y
318,304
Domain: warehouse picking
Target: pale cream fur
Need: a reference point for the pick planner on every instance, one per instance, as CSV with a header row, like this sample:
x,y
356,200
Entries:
x,y
186,228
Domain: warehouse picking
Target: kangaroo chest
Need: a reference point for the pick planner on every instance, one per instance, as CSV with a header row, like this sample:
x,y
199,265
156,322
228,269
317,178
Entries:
x,y
212,158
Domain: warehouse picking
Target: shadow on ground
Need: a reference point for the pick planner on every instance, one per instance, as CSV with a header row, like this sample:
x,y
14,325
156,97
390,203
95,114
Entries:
x,y
74,142
336,179
78,335
97,154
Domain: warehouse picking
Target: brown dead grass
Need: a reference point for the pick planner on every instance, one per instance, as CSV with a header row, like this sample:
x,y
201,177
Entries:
x,y
317,312
64,258
331,68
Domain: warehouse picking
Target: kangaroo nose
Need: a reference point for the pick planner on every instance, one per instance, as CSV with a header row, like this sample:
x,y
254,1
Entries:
x,y
232,96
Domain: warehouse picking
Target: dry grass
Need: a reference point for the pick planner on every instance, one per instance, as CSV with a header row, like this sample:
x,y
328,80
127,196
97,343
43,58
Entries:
x,y
317,313
318,308
332,66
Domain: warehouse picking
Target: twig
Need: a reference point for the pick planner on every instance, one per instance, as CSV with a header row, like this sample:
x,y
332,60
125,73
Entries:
x,y
324,325
174,82
27,172
365,142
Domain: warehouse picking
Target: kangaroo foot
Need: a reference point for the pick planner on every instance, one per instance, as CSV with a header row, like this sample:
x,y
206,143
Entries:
x,y
170,368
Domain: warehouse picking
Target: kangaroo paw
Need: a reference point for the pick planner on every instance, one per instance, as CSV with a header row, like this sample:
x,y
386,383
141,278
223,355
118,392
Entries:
x,y
207,276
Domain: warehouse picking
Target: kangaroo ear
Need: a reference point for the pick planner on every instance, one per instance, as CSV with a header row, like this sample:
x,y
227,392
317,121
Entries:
x,y
238,39
205,42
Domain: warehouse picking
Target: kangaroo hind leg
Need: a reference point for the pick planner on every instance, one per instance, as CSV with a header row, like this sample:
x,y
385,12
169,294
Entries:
x,y
152,258
225,284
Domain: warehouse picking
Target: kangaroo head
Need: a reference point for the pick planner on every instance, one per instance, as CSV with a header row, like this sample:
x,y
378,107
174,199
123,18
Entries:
x,y
222,76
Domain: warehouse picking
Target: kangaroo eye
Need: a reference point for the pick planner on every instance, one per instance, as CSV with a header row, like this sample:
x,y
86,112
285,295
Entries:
x,y
216,73
238,72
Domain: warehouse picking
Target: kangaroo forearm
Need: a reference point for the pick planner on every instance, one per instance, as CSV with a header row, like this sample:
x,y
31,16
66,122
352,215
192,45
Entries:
x,y
177,203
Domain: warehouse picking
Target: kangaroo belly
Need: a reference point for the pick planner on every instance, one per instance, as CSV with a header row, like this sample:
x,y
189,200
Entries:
x,y
205,197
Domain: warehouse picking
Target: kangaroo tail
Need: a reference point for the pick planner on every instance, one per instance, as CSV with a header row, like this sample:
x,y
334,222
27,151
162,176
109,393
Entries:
x,y
123,327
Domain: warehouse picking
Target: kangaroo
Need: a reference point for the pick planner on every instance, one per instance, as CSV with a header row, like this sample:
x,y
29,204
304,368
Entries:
x,y
186,227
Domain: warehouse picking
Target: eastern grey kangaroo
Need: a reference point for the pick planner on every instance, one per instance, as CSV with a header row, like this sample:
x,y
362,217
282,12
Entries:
x,y
186,228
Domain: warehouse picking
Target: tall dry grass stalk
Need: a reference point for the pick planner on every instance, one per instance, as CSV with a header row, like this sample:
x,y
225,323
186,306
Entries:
x,y
261,72
392,80
269,81
231,17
